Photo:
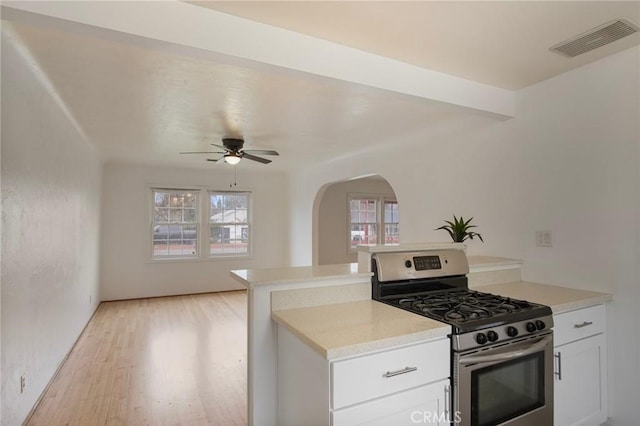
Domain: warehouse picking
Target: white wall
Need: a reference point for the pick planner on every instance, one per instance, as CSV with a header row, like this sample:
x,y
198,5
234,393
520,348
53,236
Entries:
x,y
333,219
580,137
127,269
568,162
50,230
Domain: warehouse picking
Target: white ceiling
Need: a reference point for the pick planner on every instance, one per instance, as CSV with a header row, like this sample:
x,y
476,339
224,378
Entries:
x,y
145,96
501,43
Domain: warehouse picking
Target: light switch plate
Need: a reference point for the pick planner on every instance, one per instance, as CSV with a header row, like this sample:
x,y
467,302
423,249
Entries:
x,y
543,239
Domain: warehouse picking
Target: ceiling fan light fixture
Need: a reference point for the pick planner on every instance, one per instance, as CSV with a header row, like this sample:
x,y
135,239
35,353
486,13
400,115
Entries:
x,y
232,158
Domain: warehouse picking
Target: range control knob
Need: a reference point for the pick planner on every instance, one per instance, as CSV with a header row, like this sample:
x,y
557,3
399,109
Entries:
x,y
540,325
531,327
492,336
407,263
512,331
481,338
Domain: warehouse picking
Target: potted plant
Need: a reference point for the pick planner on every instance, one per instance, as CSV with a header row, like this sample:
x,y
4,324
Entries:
x,y
459,229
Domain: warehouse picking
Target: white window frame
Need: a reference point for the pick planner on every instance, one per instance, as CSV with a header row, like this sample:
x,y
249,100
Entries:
x,y
380,223
203,216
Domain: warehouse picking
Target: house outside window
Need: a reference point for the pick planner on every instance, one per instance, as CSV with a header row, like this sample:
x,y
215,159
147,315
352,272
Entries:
x,y
177,216
229,228
373,220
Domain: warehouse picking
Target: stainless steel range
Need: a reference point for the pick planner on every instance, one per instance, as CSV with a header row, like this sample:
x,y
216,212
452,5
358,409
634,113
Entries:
x,y
501,348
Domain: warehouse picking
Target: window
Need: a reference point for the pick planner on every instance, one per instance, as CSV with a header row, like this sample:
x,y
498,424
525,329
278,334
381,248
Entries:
x,y
373,220
175,223
391,222
228,223
364,221
177,215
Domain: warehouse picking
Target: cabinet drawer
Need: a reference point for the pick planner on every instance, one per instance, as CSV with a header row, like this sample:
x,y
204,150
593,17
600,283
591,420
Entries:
x,y
579,324
360,379
423,405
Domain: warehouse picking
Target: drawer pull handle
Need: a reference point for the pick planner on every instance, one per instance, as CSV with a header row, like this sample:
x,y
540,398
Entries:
x,y
399,372
584,324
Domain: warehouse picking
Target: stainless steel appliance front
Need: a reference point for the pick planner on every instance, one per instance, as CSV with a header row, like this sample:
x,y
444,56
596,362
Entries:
x,y
507,384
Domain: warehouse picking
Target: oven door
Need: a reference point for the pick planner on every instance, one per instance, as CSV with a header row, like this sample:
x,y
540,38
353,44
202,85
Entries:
x,y
506,385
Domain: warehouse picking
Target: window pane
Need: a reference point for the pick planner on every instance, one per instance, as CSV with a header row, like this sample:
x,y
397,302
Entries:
x,y
363,234
189,215
161,199
391,213
175,215
161,214
176,200
229,239
241,216
190,200
392,234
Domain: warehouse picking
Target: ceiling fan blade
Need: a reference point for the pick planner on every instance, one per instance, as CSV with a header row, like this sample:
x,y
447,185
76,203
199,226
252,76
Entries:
x,y
254,158
219,146
203,152
216,160
261,151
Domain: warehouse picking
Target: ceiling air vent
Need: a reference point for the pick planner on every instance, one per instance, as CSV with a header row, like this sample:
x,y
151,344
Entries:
x,y
596,37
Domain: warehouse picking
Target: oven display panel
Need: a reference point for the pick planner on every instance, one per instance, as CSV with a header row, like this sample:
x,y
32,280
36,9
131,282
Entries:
x,y
426,263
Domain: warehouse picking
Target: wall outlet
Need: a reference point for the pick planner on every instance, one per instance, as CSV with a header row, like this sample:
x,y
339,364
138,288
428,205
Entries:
x,y
23,383
543,239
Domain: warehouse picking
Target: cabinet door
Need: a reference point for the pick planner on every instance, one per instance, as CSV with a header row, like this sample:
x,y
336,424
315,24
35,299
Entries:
x,y
426,405
579,392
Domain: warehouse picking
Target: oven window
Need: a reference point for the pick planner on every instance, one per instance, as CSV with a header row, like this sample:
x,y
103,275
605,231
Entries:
x,y
507,390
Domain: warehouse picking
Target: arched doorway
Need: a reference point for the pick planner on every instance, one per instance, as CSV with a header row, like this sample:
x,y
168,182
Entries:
x,y
357,211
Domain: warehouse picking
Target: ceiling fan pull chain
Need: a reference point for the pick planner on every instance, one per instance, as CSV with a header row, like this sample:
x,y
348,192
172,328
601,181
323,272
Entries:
x,y
235,177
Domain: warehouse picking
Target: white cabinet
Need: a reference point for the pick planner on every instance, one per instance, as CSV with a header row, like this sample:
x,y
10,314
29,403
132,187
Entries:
x,y
580,392
406,385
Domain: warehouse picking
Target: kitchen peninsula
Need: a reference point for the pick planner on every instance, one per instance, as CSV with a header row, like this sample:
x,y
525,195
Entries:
x,y
330,309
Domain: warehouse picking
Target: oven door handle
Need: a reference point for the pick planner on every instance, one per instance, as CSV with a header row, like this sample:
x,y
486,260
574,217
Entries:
x,y
507,355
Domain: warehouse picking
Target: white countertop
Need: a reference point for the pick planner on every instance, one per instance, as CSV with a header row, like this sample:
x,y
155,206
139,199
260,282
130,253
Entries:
x,y
255,277
345,329
560,299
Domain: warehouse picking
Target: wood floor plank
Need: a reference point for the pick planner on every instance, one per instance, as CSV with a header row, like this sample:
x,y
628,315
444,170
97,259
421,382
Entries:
x,y
165,361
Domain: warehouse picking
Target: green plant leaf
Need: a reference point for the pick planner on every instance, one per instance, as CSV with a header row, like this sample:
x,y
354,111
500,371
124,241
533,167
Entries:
x,y
459,229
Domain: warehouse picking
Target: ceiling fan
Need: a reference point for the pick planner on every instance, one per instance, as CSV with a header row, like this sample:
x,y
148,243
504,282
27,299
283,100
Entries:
x,y
233,152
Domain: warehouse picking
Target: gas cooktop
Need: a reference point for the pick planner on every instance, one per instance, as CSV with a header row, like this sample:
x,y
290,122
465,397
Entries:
x,y
468,310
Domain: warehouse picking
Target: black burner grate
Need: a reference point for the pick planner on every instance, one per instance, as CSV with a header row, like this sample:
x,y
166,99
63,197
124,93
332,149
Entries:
x,y
462,306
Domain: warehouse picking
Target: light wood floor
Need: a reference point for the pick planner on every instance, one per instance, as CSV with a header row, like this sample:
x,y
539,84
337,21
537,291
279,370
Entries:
x,y
166,361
